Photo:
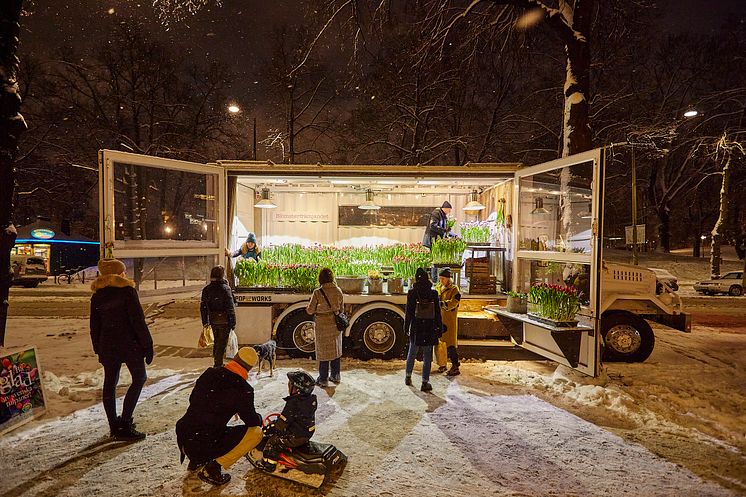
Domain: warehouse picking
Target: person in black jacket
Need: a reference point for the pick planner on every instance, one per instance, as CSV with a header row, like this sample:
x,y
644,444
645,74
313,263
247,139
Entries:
x,y
296,423
203,434
437,227
119,335
218,309
423,325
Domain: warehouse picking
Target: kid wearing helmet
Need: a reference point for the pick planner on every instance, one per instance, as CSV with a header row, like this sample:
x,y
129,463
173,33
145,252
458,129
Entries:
x,y
296,424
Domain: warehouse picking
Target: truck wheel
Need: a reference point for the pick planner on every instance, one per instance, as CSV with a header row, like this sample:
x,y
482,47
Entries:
x,y
735,291
297,335
379,334
627,337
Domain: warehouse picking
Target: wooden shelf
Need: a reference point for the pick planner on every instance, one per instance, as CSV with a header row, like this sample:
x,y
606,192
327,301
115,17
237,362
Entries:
x,y
501,311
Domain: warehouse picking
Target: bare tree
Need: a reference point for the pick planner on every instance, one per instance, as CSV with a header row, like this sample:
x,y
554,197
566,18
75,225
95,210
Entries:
x,y
12,125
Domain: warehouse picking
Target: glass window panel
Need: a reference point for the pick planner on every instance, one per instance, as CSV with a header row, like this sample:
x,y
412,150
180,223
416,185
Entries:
x,y
164,204
555,210
534,271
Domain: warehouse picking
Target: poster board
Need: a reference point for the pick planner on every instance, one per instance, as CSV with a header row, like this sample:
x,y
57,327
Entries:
x,y
21,388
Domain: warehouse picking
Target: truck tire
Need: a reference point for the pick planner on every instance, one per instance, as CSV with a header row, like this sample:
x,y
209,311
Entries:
x,y
379,334
735,291
296,334
627,337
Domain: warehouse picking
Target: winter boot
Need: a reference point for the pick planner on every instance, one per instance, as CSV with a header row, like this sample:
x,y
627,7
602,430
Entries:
x,y
322,383
335,379
194,466
454,371
212,473
426,387
442,369
128,433
408,381
114,426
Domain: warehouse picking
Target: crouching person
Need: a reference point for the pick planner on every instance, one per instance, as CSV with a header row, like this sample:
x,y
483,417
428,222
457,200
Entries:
x,y
203,433
297,422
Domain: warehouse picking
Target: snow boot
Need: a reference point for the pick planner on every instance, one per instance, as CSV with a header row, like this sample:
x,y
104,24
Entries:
x,y
454,371
322,383
128,433
335,379
442,369
212,473
426,387
114,426
408,381
194,466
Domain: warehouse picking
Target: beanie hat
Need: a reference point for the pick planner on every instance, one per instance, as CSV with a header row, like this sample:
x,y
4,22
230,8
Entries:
x,y
251,237
246,357
446,272
111,266
446,205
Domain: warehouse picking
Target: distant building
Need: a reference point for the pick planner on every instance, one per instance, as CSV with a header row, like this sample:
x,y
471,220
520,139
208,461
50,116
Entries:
x,y
60,248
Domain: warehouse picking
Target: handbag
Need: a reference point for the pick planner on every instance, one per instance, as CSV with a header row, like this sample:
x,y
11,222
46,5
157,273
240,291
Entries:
x,y
231,348
339,317
206,338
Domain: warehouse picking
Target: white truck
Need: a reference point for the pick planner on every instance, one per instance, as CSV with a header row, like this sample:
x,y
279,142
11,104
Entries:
x,y
553,224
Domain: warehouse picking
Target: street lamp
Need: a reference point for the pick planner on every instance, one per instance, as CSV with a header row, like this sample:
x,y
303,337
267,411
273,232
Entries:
x,y
691,112
234,109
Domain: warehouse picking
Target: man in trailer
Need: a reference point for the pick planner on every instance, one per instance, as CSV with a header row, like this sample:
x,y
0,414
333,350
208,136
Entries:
x,y
437,227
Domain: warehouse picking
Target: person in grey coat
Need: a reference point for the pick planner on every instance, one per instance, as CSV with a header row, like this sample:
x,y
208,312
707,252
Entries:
x,y
326,301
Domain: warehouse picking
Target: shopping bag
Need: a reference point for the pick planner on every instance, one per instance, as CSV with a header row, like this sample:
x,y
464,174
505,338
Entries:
x,y
231,349
206,338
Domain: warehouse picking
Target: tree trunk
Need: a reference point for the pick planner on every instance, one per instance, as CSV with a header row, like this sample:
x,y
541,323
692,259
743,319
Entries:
x,y
717,231
12,126
664,229
576,136
697,245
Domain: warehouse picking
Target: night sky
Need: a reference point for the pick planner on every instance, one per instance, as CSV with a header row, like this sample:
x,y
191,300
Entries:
x,y
237,33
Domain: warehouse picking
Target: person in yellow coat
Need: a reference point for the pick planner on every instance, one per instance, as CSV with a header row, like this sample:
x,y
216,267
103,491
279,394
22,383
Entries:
x,y
450,298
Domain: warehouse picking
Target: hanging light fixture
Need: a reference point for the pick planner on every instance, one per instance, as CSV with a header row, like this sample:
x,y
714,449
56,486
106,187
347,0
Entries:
x,y
265,202
539,209
474,204
369,204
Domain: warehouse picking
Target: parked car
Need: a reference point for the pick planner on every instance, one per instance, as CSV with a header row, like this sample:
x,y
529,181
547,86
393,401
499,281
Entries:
x,y
662,277
28,270
730,283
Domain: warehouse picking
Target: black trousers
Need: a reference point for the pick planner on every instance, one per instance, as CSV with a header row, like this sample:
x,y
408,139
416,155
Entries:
x,y
220,333
281,441
111,378
453,356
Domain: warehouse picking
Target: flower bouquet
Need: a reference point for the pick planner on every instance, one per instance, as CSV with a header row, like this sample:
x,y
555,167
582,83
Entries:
x,y
554,304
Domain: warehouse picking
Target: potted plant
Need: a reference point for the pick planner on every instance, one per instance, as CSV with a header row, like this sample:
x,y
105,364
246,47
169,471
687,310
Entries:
x,y
448,250
554,304
476,232
517,302
375,281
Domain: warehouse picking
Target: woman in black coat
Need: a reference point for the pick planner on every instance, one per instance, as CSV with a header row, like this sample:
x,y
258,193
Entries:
x,y
218,309
423,325
119,335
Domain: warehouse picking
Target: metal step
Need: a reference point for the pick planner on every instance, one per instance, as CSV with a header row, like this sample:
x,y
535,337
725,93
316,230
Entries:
x,y
494,350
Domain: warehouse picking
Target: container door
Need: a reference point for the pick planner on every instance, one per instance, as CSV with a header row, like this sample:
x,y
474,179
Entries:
x,y
557,237
168,212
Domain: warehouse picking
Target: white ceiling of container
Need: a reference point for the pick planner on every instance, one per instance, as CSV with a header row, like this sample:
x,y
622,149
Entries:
x,y
363,183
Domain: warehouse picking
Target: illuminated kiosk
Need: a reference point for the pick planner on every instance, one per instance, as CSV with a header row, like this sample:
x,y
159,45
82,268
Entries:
x,y
60,251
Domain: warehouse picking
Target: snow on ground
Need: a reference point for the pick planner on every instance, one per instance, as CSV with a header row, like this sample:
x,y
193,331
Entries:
x,y
464,439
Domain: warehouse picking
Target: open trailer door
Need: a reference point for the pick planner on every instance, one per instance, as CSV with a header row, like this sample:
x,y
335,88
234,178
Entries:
x,y
558,210
161,215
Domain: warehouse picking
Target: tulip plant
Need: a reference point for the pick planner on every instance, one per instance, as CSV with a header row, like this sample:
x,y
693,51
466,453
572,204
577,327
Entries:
x,y
297,266
476,232
554,302
448,250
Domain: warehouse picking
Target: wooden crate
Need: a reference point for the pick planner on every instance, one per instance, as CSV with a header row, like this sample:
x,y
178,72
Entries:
x,y
482,285
477,267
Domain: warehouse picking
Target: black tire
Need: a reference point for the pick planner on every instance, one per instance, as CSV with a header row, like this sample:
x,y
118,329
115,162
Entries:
x,y
379,334
627,337
293,334
33,284
735,291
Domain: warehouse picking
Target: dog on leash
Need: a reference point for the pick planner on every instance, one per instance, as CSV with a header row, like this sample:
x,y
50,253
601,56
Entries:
x,y
266,352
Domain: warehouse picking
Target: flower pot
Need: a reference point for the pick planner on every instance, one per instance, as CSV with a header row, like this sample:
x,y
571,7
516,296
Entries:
x,y
395,285
517,304
375,285
351,284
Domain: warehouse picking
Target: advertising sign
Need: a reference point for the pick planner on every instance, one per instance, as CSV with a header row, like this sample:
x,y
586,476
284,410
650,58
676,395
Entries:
x,y
21,392
640,234
42,234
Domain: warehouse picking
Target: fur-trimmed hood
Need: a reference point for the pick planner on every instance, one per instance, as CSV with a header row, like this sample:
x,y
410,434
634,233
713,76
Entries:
x,y
113,280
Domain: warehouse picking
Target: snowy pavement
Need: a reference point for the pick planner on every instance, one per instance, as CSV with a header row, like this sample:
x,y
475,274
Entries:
x,y
471,436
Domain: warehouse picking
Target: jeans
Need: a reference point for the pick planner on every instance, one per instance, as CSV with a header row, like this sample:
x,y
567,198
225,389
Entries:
x,y
427,358
111,378
220,333
336,365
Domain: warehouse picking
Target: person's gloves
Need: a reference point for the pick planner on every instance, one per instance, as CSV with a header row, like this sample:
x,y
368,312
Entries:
x,y
149,358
